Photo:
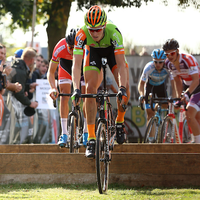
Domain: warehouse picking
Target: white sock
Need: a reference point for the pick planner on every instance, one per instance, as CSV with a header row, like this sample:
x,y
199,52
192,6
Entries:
x,y
192,137
64,126
85,126
197,139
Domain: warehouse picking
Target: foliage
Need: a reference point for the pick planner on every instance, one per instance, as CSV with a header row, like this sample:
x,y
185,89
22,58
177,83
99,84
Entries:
x,y
21,10
55,13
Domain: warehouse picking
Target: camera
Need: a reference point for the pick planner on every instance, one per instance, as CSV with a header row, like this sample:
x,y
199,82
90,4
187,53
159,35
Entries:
x,y
3,81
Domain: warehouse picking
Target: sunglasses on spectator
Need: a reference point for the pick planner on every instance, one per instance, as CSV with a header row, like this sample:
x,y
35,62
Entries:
x,y
171,53
162,61
96,29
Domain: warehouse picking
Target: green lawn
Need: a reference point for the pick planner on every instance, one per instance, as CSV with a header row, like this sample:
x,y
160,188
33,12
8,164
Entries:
x,y
62,191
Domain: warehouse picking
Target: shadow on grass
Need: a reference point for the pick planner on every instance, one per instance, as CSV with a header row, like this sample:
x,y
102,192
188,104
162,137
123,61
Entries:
x,y
143,190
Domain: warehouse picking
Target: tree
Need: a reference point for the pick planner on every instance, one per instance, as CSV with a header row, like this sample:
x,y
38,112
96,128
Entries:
x,y
55,13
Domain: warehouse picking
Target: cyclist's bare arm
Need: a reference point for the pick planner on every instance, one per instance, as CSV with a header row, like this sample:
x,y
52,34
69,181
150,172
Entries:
x,y
178,86
194,84
76,70
141,87
173,88
51,78
121,64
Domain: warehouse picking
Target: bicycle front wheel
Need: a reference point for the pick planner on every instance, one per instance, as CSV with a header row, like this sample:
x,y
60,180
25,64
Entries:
x,y
133,132
102,159
73,135
150,131
166,131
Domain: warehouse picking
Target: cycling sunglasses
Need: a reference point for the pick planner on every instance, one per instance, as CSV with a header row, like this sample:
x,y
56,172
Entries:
x,y
171,53
96,29
155,61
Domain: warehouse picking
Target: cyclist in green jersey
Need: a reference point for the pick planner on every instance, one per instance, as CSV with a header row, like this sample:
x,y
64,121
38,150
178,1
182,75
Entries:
x,y
99,38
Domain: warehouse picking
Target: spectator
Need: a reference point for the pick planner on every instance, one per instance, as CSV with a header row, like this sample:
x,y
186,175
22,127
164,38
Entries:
x,y
15,87
2,54
39,60
18,53
143,52
39,72
46,63
133,52
20,73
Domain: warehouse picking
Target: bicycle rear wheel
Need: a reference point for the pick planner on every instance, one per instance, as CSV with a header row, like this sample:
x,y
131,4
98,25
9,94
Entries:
x,y
132,131
73,135
166,131
151,128
102,159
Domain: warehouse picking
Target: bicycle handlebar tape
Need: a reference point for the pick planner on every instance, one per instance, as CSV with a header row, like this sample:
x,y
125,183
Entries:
x,y
122,93
28,111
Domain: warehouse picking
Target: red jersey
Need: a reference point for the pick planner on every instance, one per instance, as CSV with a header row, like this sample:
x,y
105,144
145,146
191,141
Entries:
x,y
61,51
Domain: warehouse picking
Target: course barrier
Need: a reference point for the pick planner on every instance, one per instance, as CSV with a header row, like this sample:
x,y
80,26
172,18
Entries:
x,y
132,164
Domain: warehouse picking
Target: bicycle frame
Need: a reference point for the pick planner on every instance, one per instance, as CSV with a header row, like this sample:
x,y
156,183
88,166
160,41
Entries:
x,y
158,115
176,129
155,121
76,112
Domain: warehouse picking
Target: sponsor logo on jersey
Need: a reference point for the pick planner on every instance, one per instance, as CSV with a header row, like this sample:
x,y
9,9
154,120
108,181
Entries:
x,y
116,36
58,50
93,63
193,68
93,45
79,36
114,42
80,43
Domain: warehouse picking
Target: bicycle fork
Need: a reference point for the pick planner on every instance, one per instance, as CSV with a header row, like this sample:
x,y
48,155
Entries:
x,y
174,130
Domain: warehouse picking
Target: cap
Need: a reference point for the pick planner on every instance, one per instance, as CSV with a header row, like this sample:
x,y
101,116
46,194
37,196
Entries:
x,y
18,53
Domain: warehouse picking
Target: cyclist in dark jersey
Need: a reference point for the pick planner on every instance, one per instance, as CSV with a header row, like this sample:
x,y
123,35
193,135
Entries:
x,y
63,55
186,74
100,38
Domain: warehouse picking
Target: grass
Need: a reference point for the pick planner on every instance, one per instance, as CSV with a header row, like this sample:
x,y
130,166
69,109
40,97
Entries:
x,y
85,192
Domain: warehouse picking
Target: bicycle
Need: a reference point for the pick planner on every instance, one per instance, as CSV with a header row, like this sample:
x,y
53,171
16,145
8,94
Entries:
x,y
155,122
75,126
105,134
131,129
171,132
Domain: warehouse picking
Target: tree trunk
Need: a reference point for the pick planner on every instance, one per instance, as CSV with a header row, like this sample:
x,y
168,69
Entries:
x,y
57,23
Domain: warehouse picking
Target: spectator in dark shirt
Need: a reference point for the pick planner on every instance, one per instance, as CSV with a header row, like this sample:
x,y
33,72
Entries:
x,y
20,73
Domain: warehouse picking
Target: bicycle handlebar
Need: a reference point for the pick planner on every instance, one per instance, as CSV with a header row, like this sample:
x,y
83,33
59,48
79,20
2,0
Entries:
x,y
92,95
161,100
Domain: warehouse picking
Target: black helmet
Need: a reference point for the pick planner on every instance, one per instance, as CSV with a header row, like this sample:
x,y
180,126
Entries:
x,y
70,38
170,44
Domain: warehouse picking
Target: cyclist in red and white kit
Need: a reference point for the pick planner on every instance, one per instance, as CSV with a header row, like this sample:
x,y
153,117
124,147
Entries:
x,y
63,55
186,73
